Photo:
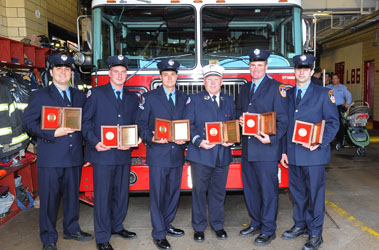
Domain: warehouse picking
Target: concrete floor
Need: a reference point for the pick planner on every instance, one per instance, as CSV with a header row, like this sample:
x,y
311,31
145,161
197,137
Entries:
x,y
351,222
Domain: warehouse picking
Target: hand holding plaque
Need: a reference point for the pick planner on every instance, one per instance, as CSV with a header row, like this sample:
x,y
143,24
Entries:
x,y
119,136
223,132
177,130
57,117
308,133
254,123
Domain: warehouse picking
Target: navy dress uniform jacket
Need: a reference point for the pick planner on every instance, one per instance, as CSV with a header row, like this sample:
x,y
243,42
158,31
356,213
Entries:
x,y
316,105
64,151
102,109
200,110
157,106
269,97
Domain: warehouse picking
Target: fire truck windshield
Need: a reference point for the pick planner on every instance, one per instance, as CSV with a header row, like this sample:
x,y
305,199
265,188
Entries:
x,y
229,32
143,33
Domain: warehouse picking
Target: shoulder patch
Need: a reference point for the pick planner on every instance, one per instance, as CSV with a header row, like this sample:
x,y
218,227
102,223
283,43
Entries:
x,y
89,92
141,102
331,96
188,100
283,90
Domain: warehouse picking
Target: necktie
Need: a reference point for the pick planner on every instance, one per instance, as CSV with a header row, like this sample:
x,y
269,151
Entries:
x,y
215,101
118,92
171,102
252,90
65,98
298,97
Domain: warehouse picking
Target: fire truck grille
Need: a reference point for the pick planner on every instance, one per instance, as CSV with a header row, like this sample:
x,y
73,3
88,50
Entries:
x,y
230,86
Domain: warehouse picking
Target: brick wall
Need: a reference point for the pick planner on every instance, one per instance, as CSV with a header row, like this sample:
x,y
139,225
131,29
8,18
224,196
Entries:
x,y
22,18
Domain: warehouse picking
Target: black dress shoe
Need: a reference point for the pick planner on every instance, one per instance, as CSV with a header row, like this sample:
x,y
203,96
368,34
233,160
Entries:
x,y
50,247
263,239
313,243
104,246
175,232
125,234
249,231
294,232
79,236
198,236
221,234
162,243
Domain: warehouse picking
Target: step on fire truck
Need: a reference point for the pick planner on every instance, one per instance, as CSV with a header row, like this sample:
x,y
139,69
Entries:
x,y
195,33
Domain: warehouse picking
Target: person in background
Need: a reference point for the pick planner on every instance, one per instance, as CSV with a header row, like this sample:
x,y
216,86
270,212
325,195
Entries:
x,y
343,99
316,78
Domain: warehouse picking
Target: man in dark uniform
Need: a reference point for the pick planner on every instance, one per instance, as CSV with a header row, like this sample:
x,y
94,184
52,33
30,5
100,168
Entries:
x,y
165,159
110,104
261,154
59,155
209,161
312,103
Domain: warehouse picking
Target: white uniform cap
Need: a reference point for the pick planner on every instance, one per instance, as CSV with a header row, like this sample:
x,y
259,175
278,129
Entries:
x,y
213,69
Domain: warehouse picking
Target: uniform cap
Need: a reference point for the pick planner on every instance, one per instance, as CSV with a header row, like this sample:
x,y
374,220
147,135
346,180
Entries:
x,y
213,70
168,65
58,60
119,60
304,61
258,55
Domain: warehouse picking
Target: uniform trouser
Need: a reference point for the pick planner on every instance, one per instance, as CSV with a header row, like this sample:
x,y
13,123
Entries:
x,y
307,186
209,180
260,186
111,188
52,184
164,198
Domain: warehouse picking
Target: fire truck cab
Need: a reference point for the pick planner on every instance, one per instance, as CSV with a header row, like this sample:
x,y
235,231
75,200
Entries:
x,y
195,33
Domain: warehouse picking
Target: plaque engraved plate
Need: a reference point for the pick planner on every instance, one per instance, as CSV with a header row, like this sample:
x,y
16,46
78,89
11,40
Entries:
x,y
50,117
251,124
72,118
129,136
162,129
214,132
181,130
231,131
110,136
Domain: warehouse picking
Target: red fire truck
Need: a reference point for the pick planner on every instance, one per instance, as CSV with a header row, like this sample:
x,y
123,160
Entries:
x,y
195,33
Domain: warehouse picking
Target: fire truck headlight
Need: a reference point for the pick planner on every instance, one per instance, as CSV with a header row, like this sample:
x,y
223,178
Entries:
x,y
132,178
82,59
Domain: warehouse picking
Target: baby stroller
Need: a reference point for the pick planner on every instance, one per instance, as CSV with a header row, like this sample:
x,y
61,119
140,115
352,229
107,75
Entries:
x,y
354,121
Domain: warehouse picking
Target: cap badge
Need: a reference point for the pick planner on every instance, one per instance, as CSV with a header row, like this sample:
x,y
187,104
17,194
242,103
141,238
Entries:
x,y
120,57
64,57
171,62
303,58
211,66
257,52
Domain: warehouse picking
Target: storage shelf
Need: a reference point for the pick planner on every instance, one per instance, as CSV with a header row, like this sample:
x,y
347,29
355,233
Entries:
x,y
16,51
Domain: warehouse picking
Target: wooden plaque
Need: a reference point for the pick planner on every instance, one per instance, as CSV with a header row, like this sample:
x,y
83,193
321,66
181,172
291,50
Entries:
x,y
268,123
302,132
162,129
318,132
180,130
128,136
231,131
251,124
213,132
72,118
51,117
110,136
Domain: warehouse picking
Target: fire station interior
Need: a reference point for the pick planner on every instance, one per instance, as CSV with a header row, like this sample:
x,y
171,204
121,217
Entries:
x,y
346,43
